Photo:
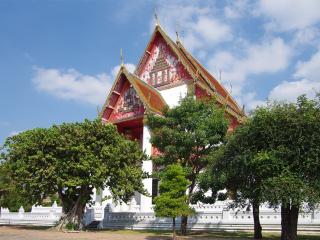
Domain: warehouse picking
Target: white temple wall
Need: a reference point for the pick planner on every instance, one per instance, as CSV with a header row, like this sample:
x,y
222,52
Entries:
x,y
172,95
146,202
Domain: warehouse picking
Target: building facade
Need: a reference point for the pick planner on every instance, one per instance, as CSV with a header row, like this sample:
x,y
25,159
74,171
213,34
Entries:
x,y
166,71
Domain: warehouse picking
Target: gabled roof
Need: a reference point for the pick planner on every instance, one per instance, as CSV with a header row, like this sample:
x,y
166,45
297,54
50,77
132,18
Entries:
x,y
150,97
197,71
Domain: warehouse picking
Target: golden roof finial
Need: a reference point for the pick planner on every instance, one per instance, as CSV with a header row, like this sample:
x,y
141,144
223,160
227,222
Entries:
x,y
98,111
177,33
231,89
155,14
122,65
243,107
220,77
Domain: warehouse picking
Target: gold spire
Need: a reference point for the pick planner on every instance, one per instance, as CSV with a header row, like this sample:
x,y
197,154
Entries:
x,y
220,77
231,89
178,41
98,111
243,107
155,14
122,65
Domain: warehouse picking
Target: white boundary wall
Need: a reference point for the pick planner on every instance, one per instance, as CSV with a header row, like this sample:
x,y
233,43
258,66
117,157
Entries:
x,y
38,216
209,217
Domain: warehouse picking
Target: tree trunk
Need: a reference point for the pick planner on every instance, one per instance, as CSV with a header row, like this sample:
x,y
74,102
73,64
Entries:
x,y
289,221
257,226
75,215
184,222
184,219
174,228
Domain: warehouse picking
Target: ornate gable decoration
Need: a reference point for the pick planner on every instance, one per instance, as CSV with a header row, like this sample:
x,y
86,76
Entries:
x,y
162,66
128,104
130,97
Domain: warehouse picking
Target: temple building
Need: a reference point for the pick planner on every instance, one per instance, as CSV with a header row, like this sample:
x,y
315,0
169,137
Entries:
x,y
166,71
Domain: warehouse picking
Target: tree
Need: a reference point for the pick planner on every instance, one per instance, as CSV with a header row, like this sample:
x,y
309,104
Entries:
x,y
71,160
232,167
279,150
172,200
188,134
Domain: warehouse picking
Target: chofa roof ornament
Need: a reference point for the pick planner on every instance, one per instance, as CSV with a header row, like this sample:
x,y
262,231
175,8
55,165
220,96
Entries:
x,y
155,14
178,41
122,65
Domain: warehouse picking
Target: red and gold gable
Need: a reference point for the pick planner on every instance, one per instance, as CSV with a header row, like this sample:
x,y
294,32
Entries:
x,y
128,104
162,66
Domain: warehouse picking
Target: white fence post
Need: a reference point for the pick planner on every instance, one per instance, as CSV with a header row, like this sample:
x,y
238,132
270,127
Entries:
x,y
21,212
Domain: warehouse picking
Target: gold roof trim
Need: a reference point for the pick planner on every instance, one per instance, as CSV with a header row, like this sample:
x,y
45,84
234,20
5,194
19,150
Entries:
x,y
139,93
220,98
193,69
106,103
127,118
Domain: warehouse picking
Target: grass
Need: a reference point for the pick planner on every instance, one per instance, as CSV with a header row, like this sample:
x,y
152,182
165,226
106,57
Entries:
x,y
205,234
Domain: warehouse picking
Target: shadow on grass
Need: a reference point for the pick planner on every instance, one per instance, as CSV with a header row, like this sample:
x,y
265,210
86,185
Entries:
x,y
28,227
167,234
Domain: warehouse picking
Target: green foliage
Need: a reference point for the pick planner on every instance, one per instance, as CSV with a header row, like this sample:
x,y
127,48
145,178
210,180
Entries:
x,y
288,159
71,160
172,200
71,226
274,157
188,134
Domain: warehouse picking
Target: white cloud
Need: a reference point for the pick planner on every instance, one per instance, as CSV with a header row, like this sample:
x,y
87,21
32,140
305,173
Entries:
x,y
200,25
28,56
13,133
235,9
202,54
4,123
269,57
212,30
286,15
129,66
291,90
71,84
309,69
306,36
250,102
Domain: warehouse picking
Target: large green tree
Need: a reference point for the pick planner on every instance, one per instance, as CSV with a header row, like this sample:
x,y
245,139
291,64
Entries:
x,y
188,134
172,200
71,160
278,149
232,167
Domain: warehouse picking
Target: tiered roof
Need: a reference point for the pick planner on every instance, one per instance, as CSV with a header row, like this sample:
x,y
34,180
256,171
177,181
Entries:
x,y
198,72
151,97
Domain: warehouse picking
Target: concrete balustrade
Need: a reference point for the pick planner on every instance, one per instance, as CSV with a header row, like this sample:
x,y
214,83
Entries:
x,y
209,217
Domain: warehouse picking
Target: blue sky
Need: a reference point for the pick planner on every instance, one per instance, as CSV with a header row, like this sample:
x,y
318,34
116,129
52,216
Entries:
x,y
59,58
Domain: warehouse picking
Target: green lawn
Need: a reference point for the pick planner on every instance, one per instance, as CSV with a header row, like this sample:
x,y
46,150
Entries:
x,y
207,234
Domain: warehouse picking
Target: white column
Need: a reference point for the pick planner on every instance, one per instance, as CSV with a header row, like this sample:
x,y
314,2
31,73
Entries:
x,y
146,202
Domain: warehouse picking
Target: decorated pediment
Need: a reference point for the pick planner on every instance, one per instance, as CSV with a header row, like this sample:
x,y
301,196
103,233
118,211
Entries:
x,y
128,104
167,63
162,66
130,97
